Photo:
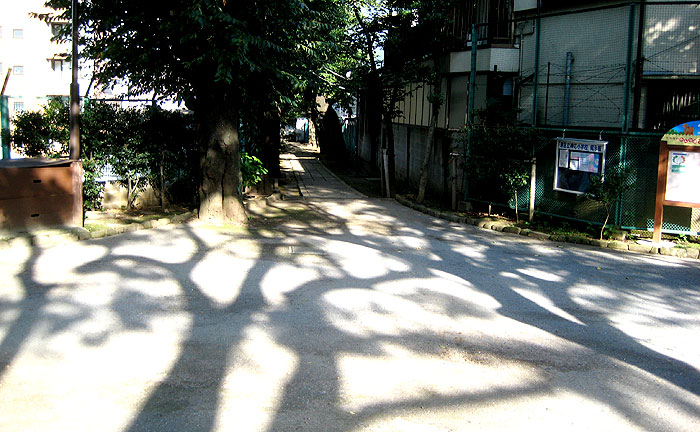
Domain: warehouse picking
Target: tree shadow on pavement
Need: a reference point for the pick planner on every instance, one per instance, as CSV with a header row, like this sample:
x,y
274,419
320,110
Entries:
x,y
353,316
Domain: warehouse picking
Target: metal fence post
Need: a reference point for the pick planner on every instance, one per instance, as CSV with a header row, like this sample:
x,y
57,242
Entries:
x,y
4,126
625,106
471,103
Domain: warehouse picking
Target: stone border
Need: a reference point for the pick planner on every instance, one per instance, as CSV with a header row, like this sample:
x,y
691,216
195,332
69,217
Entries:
x,y
55,236
507,227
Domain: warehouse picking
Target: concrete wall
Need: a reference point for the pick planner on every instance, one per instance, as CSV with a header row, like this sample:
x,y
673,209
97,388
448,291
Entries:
x,y
671,45
409,148
598,42
115,197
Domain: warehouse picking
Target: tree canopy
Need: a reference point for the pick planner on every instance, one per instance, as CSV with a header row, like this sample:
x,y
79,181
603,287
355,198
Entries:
x,y
218,56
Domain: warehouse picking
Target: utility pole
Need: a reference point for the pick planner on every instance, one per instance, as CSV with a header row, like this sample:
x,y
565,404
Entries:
x,y
536,83
5,118
74,90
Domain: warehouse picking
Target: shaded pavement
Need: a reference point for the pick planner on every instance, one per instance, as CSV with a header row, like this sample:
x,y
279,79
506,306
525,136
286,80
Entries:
x,y
334,312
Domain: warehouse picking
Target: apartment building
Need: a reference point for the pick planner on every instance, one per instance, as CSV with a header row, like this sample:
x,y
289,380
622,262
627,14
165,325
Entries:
x,y
33,67
620,71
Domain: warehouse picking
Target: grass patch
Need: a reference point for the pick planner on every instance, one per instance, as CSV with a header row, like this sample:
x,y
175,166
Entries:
x,y
93,227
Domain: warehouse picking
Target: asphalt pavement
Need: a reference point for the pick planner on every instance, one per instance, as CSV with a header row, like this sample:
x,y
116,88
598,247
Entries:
x,y
343,313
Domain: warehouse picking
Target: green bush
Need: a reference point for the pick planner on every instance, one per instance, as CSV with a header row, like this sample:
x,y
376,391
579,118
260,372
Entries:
x,y
92,190
606,189
135,142
252,170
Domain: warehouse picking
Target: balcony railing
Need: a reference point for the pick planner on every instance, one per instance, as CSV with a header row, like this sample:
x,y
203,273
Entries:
x,y
492,17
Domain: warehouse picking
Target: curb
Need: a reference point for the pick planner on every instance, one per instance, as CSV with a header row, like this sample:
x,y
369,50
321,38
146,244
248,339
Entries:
x,y
57,236
506,227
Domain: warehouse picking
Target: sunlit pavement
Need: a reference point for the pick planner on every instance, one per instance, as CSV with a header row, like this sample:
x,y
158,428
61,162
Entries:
x,y
351,314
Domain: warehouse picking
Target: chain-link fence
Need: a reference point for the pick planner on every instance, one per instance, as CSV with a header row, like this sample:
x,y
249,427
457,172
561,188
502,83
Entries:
x,y
633,210
629,65
629,68
350,136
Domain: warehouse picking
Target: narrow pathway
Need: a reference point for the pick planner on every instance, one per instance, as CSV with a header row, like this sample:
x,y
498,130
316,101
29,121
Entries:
x,y
312,180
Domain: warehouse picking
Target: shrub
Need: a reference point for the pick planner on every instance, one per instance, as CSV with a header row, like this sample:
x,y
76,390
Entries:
x,y
608,188
252,170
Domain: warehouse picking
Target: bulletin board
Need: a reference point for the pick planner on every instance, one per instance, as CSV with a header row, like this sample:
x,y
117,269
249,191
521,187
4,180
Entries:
x,y
576,161
678,181
683,176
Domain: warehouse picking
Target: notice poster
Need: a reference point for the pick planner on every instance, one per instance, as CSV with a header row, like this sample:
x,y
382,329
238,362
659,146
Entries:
x,y
589,162
563,158
678,162
574,161
683,177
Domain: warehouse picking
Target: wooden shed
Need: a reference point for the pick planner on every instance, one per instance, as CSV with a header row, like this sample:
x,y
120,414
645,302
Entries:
x,y
40,193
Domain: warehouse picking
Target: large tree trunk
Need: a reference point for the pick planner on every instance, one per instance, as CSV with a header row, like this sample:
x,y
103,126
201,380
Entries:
x,y
220,196
271,142
389,167
436,103
428,150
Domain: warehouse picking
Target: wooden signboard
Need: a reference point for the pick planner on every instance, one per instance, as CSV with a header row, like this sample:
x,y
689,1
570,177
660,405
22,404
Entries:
x,y
678,181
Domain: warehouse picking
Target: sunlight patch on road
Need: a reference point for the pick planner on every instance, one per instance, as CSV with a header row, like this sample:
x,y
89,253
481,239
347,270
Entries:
x,y
85,370
58,264
475,252
594,298
546,303
366,313
362,262
540,274
423,304
424,379
254,384
458,288
290,163
219,278
283,279
167,245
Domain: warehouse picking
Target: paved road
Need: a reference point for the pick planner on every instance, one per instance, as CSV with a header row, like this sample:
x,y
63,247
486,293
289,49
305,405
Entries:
x,y
345,314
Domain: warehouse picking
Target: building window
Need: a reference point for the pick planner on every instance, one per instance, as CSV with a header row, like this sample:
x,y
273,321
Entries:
x,y
18,70
57,28
60,65
18,107
18,33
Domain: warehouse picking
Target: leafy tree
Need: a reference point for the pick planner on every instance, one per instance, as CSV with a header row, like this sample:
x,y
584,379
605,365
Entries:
x,y
208,53
411,34
171,143
606,189
433,18
382,27
135,142
42,133
500,151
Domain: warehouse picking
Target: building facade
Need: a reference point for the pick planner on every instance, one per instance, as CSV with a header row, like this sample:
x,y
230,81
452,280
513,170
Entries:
x,y
621,71
614,64
33,66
